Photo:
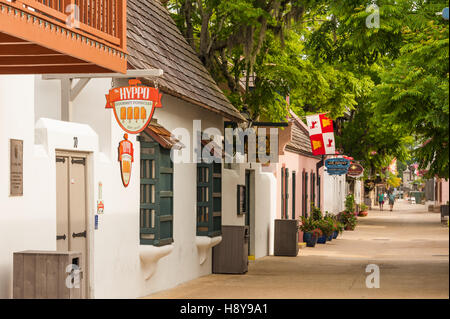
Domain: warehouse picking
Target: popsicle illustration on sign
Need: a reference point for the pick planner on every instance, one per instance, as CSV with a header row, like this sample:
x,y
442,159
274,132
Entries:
x,y
126,159
321,133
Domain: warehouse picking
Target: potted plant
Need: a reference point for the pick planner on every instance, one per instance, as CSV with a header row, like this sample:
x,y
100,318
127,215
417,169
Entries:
x,y
350,204
349,220
316,213
341,227
310,231
364,210
326,226
331,223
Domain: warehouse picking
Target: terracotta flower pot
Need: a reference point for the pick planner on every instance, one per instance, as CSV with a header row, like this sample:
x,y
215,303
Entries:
x,y
363,214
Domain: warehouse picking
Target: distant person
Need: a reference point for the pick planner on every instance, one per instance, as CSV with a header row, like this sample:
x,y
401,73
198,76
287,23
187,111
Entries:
x,y
391,201
381,200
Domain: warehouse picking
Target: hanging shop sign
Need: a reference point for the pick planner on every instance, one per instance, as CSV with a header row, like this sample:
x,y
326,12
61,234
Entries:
x,y
355,170
133,105
337,166
126,158
321,134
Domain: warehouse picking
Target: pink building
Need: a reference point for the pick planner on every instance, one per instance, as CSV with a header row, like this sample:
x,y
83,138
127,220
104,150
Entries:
x,y
442,192
297,179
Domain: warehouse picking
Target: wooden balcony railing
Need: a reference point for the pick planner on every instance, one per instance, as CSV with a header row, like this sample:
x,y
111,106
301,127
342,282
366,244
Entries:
x,y
101,18
99,23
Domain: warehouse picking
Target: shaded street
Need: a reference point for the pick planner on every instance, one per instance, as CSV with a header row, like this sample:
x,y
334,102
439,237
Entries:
x,y
410,246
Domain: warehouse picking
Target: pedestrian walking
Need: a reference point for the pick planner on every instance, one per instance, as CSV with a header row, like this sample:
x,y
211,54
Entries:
x,y
391,200
381,200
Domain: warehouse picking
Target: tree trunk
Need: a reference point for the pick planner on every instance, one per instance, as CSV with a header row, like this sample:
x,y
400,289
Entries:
x,y
187,8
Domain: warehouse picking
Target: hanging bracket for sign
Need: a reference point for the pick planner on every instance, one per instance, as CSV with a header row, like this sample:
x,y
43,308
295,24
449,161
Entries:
x,y
70,89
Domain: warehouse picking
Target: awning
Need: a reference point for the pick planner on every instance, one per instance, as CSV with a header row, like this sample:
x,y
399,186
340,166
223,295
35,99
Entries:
x,y
163,136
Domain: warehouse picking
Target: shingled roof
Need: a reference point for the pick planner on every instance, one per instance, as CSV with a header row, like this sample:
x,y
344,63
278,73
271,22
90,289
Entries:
x,y
154,41
300,142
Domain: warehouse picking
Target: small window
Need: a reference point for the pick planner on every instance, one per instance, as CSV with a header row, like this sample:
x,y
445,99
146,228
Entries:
x,y
156,196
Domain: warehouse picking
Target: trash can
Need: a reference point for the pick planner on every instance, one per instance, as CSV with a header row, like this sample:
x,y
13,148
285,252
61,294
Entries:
x,y
47,275
418,196
231,255
444,213
286,237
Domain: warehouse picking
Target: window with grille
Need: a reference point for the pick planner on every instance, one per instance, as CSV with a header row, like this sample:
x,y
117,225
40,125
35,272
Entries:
x,y
156,196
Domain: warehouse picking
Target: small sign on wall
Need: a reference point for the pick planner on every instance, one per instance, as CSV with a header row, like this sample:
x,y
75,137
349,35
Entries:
x,y
16,168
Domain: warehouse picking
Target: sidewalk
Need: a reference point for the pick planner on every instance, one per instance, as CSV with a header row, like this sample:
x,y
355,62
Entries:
x,y
409,245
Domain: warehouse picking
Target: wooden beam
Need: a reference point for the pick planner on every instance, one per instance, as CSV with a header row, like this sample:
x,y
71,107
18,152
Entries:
x,y
6,38
66,101
24,49
61,69
129,74
39,60
81,84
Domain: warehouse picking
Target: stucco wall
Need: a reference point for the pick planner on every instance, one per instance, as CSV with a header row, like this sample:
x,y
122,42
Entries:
x,y
26,222
334,192
297,163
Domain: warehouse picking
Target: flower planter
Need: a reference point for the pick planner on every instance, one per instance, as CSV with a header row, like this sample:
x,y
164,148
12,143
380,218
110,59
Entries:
x,y
335,234
310,239
363,214
322,240
349,228
330,238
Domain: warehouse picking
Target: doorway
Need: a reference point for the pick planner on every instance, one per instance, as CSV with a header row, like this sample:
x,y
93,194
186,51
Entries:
x,y
250,211
71,220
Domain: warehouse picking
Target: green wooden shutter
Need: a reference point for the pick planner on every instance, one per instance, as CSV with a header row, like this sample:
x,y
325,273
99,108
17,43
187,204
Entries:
x,y
209,199
294,193
286,188
313,189
216,227
283,196
306,194
318,191
156,208
165,215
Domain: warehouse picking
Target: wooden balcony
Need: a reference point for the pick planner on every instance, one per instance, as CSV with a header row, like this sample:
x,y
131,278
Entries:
x,y
62,36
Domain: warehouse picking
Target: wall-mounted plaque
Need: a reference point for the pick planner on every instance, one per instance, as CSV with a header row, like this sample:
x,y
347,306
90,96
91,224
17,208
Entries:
x,y
16,168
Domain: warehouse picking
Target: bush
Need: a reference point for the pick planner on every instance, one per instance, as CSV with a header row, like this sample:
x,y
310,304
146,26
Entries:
x,y
348,219
350,203
364,208
326,226
307,225
316,214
